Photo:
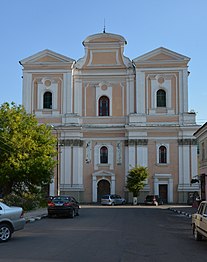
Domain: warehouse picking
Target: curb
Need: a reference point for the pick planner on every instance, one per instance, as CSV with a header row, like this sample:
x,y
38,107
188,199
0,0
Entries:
x,y
36,218
180,212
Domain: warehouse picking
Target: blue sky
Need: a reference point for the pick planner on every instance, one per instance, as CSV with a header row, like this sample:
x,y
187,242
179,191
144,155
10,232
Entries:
x,y
30,26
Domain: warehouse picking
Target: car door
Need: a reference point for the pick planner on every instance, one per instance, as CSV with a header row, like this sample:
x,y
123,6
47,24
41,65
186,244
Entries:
x,y
75,203
198,218
118,199
1,212
203,221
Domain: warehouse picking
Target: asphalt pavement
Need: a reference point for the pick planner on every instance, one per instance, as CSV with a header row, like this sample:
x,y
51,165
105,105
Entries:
x,y
37,214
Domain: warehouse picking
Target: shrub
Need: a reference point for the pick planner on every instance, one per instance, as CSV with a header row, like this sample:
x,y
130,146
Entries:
x,y
26,201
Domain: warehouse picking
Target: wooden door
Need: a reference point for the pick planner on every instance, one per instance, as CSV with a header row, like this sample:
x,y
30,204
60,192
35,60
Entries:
x,y
163,192
103,188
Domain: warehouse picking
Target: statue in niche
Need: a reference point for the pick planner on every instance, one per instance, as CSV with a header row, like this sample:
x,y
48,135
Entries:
x,y
88,152
119,153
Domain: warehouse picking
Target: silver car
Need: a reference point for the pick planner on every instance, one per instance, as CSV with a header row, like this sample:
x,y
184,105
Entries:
x,y
11,219
112,200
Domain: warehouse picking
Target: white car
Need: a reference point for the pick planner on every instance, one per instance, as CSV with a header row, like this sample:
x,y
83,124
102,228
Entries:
x,y
11,219
112,200
199,221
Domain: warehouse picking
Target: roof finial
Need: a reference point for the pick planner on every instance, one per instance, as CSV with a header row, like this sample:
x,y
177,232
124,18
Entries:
x,y
104,29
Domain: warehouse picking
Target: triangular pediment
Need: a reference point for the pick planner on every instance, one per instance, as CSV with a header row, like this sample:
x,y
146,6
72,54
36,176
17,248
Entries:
x,y
103,173
47,57
161,55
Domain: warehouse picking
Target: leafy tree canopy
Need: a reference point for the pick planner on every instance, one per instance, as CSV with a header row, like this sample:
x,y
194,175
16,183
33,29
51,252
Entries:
x,y
135,179
27,151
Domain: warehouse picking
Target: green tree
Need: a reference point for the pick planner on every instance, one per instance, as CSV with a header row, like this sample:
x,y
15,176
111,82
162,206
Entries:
x,y
135,179
27,151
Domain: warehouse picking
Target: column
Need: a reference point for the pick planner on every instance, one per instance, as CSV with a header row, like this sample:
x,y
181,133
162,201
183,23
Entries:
x,y
113,190
77,166
78,97
132,162
94,188
184,165
185,90
170,190
140,92
194,163
130,95
156,187
67,94
142,156
65,170
27,95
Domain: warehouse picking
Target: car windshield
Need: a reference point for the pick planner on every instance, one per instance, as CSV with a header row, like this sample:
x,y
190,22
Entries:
x,y
61,199
149,197
105,197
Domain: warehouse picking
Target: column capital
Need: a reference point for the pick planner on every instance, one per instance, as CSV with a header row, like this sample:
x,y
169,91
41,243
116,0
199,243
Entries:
x,y
133,142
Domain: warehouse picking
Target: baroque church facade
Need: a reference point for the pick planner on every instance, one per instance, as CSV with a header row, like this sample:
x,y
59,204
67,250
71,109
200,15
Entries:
x,y
110,114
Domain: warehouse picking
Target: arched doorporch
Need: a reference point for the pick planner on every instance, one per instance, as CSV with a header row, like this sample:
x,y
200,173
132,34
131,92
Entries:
x,y
103,182
103,188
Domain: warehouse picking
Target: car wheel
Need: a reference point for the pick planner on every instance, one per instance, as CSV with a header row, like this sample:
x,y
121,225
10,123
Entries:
x,y
49,215
5,232
197,235
72,213
113,204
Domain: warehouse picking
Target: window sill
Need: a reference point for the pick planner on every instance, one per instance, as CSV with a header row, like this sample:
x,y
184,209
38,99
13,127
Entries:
x,y
162,164
103,165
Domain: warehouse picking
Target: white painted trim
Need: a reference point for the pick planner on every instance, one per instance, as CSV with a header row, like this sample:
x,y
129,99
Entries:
x,y
98,176
166,179
142,155
103,51
78,97
158,145
78,166
67,93
52,188
97,155
100,93
27,92
123,98
141,93
131,153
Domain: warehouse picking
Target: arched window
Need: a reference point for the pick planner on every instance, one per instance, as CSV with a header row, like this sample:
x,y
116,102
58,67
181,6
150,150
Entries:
x,y
47,100
104,155
162,155
161,98
103,106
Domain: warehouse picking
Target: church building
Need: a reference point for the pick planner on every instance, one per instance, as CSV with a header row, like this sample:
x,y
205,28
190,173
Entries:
x,y
111,113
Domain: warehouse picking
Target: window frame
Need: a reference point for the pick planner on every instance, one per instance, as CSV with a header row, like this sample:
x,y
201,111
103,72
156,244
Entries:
x,y
47,100
161,98
104,155
162,154
104,110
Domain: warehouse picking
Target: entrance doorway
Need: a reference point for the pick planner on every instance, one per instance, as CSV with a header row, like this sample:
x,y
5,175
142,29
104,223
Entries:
x,y
103,188
163,192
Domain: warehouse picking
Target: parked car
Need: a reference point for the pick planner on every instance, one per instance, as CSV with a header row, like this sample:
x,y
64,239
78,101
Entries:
x,y
199,222
11,219
154,200
112,199
63,206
